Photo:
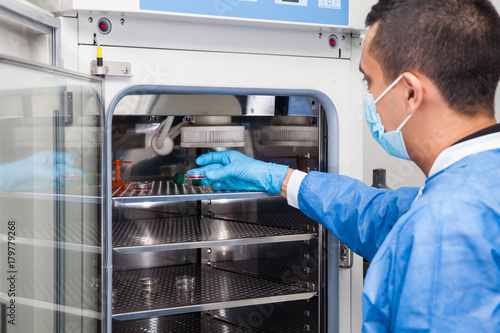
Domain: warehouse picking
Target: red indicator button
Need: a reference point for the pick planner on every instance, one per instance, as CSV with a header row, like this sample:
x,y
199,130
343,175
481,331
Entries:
x,y
333,41
104,26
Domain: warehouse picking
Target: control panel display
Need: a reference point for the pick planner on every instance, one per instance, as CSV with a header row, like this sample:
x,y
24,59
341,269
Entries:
x,y
324,12
292,2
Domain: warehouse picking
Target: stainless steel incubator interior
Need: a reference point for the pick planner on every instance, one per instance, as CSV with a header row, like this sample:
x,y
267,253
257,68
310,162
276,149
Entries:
x,y
258,264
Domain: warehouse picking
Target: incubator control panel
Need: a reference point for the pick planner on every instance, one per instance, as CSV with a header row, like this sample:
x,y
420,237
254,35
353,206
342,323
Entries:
x,y
329,12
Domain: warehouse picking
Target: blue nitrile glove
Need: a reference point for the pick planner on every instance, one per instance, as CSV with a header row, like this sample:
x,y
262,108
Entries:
x,y
232,170
45,170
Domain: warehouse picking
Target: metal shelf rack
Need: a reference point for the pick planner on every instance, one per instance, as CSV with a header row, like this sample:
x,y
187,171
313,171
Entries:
x,y
232,285
292,270
167,191
289,317
215,289
185,323
132,236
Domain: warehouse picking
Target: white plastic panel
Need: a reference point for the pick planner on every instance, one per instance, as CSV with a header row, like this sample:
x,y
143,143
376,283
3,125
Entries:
x,y
291,13
136,30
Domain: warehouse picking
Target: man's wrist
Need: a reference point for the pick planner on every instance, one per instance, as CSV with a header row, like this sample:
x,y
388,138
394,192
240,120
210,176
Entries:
x,y
284,184
276,173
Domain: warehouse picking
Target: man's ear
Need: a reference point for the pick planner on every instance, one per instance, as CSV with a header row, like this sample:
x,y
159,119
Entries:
x,y
414,91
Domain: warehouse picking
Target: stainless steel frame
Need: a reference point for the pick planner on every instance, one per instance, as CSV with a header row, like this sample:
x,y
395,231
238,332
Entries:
x,y
222,227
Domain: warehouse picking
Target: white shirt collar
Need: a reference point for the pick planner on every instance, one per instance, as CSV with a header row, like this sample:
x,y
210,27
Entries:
x,y
456,152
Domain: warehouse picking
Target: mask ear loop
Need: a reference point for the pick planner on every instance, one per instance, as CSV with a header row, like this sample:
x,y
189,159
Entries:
x,y
404,122
389,88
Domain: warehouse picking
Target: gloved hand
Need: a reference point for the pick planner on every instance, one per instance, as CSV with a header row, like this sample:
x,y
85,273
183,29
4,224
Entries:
x,y
45,170
232,170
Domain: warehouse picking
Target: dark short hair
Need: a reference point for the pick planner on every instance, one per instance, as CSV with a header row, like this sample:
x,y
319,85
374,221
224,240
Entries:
x,y
455,43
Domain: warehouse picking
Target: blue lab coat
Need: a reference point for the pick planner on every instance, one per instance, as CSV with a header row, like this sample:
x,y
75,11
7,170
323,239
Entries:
x,y
435,261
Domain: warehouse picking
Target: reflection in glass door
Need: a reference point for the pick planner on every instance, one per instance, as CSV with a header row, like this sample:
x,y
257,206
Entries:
x,y
50,200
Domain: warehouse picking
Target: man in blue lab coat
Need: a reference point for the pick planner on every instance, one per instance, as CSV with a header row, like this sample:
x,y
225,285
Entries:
x,y
431,67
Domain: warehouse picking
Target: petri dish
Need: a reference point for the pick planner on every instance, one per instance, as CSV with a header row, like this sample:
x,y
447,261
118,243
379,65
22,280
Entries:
x,y
71,175
185,283
196,174
142,186
148,284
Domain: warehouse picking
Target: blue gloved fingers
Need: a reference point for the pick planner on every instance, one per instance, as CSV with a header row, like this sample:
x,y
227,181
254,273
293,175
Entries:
x,y
241,172
64,158
228,186
235,185
221,157
218,173
207,167
68,171
209,158
51,158
207,181
57,167
65,173
218,186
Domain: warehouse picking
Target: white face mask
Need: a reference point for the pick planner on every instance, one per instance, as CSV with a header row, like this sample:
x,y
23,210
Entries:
x,y
391,141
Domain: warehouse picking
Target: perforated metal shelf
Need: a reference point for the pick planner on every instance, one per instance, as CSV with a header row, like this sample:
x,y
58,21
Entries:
x,y
194,232
215,289
289,317
293,271
186,323
285,219
77,188
166,190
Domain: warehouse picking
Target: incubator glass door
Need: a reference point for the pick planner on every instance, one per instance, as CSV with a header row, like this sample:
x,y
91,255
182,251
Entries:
x,y
50,199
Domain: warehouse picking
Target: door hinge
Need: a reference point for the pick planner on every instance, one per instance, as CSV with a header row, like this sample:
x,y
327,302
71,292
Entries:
x,y
346,257
67,108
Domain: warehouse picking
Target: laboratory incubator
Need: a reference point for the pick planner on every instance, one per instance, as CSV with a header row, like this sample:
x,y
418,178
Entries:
x,y
134,92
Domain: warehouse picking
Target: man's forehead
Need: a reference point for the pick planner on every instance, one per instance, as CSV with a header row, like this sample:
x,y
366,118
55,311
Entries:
x,y
369,36
367,61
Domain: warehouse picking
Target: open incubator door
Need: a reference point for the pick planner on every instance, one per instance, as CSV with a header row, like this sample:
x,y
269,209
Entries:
x,y
51,199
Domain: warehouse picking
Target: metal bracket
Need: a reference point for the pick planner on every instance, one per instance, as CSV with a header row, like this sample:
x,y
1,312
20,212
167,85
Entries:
x,y
112,68
67,108
346,257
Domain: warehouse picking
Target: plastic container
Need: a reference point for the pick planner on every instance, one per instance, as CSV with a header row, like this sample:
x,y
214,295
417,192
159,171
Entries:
x,y
196,174
185,283
148,284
